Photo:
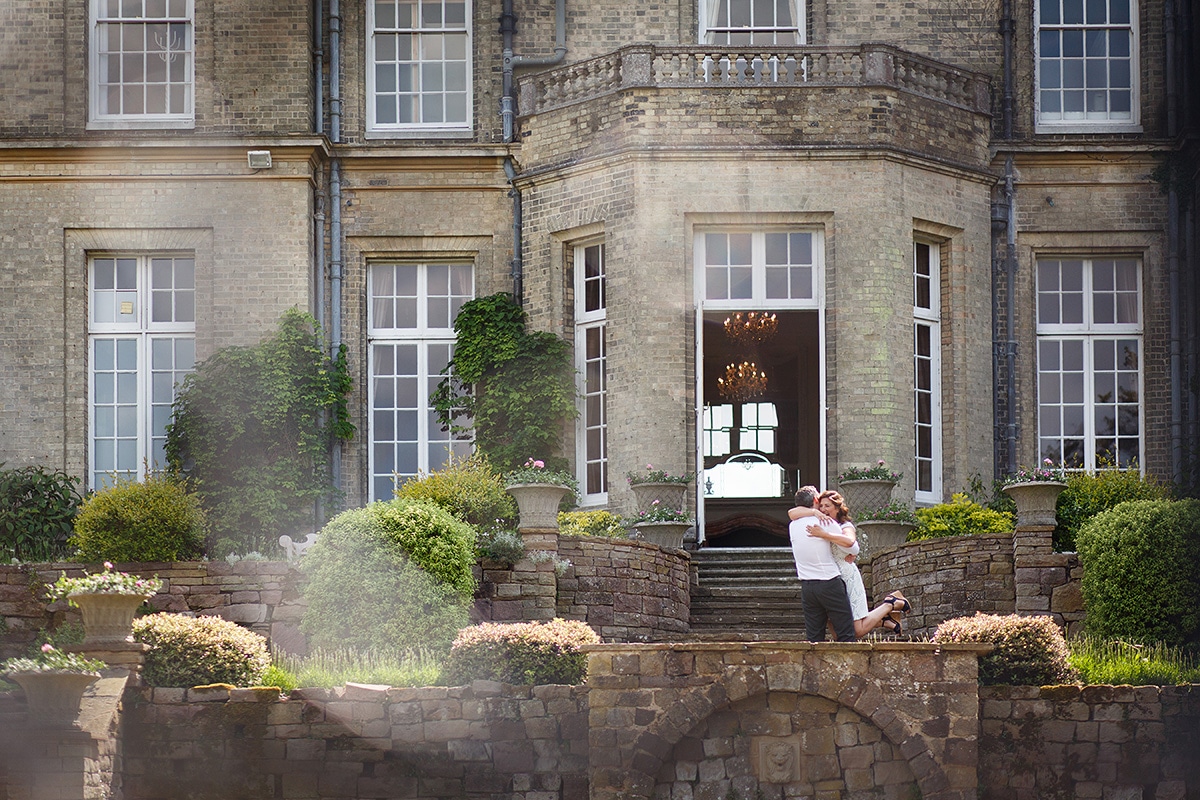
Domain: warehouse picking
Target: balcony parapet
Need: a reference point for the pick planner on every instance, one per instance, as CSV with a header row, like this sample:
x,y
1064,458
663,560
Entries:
x,y
700,67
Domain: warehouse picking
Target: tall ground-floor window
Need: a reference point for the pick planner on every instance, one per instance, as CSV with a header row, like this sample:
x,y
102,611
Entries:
x,y
1089,362
591,356
411,329
927,373
142,342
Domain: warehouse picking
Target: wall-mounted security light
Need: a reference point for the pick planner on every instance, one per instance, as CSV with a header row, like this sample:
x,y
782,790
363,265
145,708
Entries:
x,y
259,159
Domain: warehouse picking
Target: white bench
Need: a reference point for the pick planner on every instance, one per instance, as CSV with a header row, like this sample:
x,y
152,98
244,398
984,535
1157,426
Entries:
x,y
295,549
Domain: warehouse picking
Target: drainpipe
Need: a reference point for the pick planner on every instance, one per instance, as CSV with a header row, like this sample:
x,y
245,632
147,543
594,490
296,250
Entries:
x,y
999,223
319,128
508,28
335,201
517,271
1173,237
1010,259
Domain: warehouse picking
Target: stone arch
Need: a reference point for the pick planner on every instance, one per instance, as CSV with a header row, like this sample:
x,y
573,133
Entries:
x,y
694,704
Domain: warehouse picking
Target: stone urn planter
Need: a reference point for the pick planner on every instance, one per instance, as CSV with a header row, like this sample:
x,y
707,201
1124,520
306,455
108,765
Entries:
x,y
107,618
663,534
875,535
1036,501
861,494
537,503
54,698
668,495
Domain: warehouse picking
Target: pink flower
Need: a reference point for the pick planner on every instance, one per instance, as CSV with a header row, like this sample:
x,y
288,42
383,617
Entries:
x,y
1048,462
649,466
881,462
539,464
108,565
47,648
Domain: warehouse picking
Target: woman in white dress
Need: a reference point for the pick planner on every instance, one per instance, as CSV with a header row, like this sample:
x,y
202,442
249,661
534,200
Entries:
x,y
886,614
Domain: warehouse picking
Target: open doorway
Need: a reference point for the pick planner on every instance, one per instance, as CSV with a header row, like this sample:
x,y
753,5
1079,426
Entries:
x,y
761,435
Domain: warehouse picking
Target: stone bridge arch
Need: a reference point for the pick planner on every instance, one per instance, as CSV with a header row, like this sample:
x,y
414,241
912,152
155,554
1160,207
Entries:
x,y
644,699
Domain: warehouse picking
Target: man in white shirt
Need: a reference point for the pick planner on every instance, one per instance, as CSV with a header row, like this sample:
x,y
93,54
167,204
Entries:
x,y
821,586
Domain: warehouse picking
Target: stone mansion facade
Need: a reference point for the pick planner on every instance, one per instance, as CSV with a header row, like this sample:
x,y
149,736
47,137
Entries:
x,y
785,237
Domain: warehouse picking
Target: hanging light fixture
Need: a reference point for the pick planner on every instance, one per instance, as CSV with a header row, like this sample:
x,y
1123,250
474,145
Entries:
x,y
751,327
742,382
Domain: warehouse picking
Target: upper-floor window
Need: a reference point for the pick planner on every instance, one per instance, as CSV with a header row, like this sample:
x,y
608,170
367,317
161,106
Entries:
x,y
752,22
1086,64
142,64
419,66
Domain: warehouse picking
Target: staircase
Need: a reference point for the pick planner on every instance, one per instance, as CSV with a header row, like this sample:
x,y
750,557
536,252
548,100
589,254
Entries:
x,y
748,593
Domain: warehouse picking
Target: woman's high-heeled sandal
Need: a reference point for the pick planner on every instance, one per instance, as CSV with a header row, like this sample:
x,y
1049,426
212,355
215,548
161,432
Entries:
x,y
894,627
899,603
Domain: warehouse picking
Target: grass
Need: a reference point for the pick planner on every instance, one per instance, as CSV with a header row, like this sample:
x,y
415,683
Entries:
x,y
330,668
1116,663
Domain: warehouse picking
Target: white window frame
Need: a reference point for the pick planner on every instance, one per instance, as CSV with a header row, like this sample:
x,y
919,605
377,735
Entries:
x,y
928,317
132,322
1089,333
1082,124
98,117
710,28
441,129
423,337
595,322
757,298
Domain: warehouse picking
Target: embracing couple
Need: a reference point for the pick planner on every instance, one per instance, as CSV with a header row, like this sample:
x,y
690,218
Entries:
x,y
824,544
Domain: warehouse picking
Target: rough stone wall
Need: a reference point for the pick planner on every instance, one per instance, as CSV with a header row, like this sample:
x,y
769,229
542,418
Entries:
x,y
478,741
1090,741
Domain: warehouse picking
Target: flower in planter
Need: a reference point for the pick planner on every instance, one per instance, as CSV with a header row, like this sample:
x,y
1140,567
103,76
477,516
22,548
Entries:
x,y
879,472
51,659
107,582
894,511
1046,472
652,475
660,513
534,471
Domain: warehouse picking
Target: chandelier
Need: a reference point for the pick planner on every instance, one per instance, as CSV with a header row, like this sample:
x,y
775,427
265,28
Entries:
x,y
742,382
750,327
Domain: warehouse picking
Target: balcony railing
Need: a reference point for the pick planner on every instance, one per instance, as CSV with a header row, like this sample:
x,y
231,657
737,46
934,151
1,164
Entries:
x,y
649,66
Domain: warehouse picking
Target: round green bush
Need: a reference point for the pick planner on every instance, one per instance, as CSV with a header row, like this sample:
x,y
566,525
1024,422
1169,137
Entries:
x,y
1030,651
468,488
389,576
1087,494
520,653
196,651
1141,571
155,520
960,517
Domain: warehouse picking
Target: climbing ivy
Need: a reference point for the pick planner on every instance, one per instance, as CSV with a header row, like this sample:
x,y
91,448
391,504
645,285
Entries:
x,y
254,428
512,388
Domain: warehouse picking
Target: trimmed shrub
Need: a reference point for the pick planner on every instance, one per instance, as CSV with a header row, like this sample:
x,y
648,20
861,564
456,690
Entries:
x,y
155,520
1087,495
1141,571
960,517
37,513
592,523
468,488
504,547
393,575
1030,651
196,651
520,653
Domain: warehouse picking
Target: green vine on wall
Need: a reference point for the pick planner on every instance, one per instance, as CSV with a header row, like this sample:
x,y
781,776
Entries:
x,y
254,428
512,388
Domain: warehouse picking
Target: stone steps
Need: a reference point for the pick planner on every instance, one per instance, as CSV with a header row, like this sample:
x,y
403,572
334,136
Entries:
x,y
750,592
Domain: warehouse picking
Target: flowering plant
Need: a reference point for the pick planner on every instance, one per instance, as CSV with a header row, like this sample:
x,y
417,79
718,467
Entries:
x,y
52,660
534,471
894,511
652,475
1046,472
107,582
879,472
660,513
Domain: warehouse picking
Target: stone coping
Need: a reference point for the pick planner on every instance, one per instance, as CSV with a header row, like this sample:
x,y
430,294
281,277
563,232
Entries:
x,y
979,648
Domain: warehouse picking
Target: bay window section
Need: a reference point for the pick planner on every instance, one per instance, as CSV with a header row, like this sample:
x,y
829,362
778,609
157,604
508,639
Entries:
x,y
142,332
1089,362
591,356
411,332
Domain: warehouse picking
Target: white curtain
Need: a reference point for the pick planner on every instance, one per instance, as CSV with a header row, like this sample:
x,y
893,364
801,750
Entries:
x,y
712,10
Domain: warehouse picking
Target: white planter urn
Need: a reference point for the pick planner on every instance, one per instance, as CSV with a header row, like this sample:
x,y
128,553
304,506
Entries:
x,y
54,698
668,494
1036,502
107,617
537,503
663,534
866,493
